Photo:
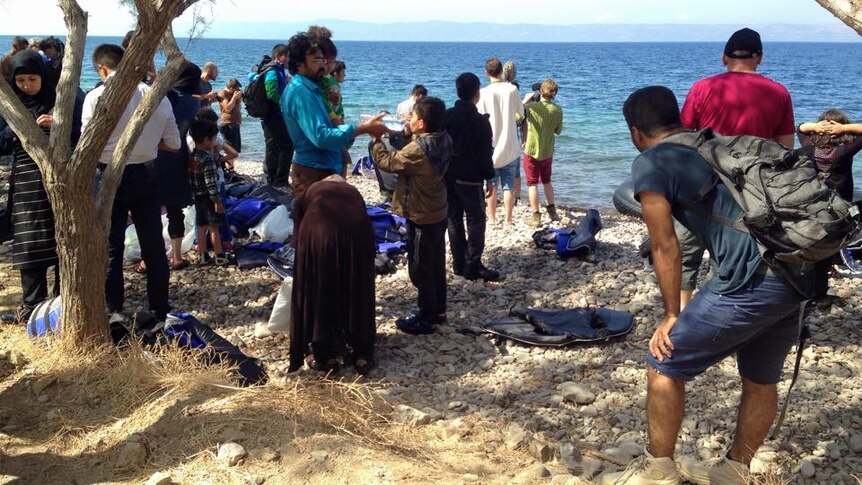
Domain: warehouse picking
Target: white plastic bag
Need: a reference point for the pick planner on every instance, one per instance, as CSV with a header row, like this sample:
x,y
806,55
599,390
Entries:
x,y
276,226
279,319
132,251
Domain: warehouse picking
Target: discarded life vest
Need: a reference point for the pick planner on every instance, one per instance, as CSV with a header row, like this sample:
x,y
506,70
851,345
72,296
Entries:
x,y
193,335
390,230
579,241
557,328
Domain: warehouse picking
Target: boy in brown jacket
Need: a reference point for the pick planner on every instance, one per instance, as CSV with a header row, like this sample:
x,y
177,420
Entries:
x,y
420,196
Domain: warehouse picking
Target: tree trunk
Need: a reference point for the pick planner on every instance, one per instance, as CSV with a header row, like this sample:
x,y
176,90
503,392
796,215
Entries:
x,y
848,11
81,223
83,257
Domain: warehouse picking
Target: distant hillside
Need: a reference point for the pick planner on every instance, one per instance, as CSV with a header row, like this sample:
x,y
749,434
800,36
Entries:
x,y
488,32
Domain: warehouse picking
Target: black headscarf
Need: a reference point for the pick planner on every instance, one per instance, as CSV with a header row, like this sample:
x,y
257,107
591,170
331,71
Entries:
x,y
30,62
189,80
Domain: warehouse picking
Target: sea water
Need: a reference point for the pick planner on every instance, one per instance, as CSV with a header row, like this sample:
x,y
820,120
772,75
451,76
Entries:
x,y
594,153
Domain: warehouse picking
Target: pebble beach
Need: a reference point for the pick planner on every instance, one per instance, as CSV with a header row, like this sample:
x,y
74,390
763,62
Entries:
x,y
553,402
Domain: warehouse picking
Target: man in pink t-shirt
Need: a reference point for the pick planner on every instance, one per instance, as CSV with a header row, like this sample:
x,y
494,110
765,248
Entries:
x,y
741,101
737,102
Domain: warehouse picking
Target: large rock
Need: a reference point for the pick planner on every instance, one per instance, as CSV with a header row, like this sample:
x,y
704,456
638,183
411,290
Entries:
x,y
541,451
133,454
231,453
532,474
407,415
40,385
160,478
577,393
515,437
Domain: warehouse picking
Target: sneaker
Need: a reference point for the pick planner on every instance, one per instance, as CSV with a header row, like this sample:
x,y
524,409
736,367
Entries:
x,y
535,220
19,316
224,259
118,318
718,471
646,470
485,274
552,213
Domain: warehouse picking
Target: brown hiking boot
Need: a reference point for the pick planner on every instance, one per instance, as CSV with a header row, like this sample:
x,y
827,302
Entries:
x,y
552,213
535,220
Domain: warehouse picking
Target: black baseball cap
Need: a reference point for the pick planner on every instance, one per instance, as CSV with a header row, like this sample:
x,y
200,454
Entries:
x,y
743,44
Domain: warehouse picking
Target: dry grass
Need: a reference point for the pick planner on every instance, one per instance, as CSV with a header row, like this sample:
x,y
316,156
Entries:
x,y
182,410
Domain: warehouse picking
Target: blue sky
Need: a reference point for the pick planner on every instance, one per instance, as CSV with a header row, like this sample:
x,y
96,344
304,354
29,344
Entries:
x,y
108,18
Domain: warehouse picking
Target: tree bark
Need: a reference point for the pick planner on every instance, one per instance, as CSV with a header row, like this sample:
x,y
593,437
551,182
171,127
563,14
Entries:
x,y
81,228
848,11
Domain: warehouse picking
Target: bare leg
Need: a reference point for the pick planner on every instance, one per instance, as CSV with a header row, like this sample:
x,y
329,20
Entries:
x,y
492,206
549,193
684,298
176,250
533,192
509,205
215,237
517,189
756,413
665,409
202,240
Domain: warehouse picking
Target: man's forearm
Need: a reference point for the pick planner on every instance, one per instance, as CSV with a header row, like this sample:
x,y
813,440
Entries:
x,y
667,261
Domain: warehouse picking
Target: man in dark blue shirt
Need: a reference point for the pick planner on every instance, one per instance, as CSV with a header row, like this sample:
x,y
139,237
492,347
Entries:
x,y
744,310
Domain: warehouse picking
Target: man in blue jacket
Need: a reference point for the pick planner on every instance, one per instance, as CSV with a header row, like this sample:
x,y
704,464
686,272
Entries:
x,y
317,142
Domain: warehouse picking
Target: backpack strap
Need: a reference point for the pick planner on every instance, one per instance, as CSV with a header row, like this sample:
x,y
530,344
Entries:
x,y
800,346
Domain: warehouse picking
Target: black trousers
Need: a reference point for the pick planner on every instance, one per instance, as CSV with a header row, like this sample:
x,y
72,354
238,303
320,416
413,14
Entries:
x,y
278,155
426,264
136,197
232,135
176,222
34,285
466,247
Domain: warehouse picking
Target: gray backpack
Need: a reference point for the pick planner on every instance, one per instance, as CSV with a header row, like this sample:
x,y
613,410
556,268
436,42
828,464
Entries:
x,y
786,206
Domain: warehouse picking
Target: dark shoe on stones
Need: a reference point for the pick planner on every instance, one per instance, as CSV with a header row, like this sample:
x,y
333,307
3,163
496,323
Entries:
x,y
19,316
552,213
485,274
416,324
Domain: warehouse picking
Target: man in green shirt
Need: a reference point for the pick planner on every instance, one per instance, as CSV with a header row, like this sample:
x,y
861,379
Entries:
x,y
544,121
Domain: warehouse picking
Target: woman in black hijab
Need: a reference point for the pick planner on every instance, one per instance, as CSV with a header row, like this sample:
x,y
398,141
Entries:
x,y
173,166
34,249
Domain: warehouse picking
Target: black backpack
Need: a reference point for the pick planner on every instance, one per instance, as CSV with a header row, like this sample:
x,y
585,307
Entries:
x,y
254,96
794,216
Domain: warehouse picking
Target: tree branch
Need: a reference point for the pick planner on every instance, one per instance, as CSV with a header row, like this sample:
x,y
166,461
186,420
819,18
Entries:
x,y
21,121
164,81
133,67
61,130
848,11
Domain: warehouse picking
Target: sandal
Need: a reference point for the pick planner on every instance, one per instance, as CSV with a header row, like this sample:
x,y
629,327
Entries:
x,y
331,365
183,264
363,366
224,259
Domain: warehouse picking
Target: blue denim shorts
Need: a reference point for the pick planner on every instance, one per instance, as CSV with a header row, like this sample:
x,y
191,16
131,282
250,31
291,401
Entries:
x,y
759,323
506,176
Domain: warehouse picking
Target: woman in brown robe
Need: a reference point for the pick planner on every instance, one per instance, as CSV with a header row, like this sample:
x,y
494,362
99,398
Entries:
x,y
332,307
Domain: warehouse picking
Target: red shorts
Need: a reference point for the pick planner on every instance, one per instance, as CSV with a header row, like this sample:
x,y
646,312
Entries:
x,y
537,171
